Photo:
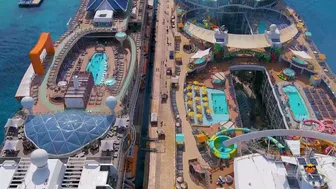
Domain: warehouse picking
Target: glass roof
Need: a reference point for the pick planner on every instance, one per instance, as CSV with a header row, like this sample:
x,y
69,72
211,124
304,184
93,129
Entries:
x,y
67,131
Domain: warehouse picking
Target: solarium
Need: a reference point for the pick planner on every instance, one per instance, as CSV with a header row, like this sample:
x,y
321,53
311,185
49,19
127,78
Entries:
x,y
66,132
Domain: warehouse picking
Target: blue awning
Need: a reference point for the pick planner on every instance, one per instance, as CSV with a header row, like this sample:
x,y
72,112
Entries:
x,y
180,138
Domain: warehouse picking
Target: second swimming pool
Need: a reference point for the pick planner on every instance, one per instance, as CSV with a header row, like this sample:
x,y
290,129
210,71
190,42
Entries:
x,y
296,103
97,66
219,104
262,27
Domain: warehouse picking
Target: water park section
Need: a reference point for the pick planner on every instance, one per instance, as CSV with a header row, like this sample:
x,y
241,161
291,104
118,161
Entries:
x,y
323,126
219,150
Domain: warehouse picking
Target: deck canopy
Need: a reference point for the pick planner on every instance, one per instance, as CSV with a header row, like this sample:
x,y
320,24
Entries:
x,y
10,145
12,123
201,54
115,5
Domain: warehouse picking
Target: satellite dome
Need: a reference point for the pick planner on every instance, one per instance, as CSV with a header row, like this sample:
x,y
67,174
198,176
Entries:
x,y
39,158
111,102
273,27
27,102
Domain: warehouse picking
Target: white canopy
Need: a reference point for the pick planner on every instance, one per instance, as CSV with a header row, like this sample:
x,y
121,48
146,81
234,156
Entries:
x,y
294,146
301,54
103,16
12,123
106,145
24,87
10,145
175,79
201,54
219,75
154,117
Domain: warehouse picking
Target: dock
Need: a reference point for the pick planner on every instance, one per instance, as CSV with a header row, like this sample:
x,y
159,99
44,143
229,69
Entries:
x,y
29,3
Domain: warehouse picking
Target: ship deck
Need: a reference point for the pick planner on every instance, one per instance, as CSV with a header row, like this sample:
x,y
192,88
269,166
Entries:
x,y
191,151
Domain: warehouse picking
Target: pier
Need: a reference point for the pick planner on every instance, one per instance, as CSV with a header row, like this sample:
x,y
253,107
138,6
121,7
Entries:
x,y
29,3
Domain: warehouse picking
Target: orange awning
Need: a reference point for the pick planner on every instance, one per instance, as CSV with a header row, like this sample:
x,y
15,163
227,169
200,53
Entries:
x,y
322,56
180,25
201,138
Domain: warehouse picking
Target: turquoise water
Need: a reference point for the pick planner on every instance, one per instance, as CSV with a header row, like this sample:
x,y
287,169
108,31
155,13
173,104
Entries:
x,y
299,61
110,82
296,103
219,104
97,66
200,60
262,27
217,115
289,72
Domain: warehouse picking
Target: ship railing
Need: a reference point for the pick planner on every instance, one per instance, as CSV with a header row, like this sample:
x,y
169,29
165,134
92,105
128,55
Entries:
x,y
132,104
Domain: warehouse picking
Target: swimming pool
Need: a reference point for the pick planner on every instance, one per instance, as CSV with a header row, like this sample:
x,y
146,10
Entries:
x,y
97,66
110,82
262,27
299,61
215,101
296,103
200,60
289,72
219,104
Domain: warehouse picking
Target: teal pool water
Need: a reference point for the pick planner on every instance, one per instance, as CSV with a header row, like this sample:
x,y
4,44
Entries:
x,y
219,104
110,82
200,60
97,66
296,103
299,61
262,27
289,72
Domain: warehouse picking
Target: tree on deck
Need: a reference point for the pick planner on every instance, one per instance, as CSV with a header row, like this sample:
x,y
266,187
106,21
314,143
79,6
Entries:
x,y
218,52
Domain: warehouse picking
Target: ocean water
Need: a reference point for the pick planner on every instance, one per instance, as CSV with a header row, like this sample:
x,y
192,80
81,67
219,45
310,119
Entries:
x,y
20,28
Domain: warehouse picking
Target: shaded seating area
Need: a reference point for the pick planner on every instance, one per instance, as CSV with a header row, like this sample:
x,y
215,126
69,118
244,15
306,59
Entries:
x,y
9,148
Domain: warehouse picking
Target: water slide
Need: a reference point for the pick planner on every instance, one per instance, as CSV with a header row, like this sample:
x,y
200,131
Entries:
x,y
324,126
219,150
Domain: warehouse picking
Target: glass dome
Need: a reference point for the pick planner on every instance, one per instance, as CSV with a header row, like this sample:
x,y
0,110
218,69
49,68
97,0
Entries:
x,y
67,131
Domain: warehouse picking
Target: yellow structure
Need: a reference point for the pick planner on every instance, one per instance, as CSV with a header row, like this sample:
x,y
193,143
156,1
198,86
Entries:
x,y
43,47
201,138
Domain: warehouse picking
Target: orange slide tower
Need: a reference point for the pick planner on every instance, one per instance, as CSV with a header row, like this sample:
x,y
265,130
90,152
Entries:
x,y
43,44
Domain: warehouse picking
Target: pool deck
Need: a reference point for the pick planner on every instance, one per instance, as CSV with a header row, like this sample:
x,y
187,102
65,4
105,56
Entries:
x,y
45,106
159,162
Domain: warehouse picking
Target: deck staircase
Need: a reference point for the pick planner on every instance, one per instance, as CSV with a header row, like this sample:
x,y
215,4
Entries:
x,y
20,173
73,172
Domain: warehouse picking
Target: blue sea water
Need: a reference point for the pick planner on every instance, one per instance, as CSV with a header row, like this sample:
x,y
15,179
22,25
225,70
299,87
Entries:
x,y
20,28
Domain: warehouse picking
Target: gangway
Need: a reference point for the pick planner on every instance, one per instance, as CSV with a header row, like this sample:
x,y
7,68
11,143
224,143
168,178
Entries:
x,y
149,150
150,139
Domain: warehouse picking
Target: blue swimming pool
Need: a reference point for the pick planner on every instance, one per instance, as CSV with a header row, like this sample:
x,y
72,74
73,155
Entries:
x,y
219,104
97,66
262,27
213,99
296,103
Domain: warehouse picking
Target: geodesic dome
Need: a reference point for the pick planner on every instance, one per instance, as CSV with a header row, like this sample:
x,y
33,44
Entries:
x,y
67,131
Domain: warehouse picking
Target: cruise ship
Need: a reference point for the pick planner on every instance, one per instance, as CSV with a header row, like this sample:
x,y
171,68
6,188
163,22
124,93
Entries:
x,y
174,94
245,96
76,127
